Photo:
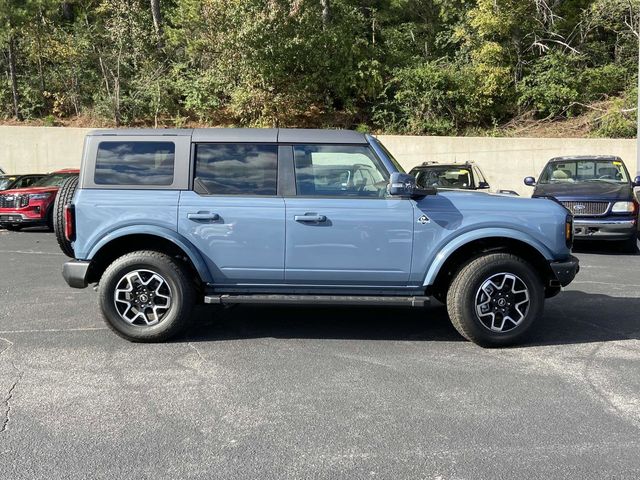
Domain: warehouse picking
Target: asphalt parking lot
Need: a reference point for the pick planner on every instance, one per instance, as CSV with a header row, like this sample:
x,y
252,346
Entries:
x,y
316,393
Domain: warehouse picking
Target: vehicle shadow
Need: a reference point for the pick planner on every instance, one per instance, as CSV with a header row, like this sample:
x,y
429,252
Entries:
x,y
573,317
599,247
39,229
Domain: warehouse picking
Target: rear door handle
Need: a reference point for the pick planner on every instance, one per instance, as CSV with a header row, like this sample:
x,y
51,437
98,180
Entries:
x,y
203,216
310,218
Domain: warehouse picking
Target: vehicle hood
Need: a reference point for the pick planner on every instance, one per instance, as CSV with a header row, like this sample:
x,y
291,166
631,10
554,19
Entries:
x,y
453,213
493,204
22,191
585,190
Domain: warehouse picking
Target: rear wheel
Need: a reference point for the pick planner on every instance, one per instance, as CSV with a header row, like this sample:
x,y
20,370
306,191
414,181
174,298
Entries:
x,y
64,197
494,299
146,296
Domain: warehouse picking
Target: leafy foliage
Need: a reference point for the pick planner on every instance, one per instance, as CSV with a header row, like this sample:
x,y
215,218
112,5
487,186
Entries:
x,y
411,66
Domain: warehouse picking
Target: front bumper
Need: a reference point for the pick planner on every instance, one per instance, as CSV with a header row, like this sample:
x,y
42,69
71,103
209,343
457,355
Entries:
x,y
605,229
18,219
566,270
74,273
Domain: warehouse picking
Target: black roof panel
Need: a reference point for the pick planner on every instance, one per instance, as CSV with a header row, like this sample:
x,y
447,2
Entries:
x,y
246,135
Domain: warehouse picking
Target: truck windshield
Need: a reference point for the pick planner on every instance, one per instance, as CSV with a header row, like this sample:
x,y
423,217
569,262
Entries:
x,y
6,181
585,171
443,176
53,180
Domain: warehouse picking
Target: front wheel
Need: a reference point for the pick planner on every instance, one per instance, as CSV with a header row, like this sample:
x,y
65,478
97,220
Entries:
x,y
146,296
494,299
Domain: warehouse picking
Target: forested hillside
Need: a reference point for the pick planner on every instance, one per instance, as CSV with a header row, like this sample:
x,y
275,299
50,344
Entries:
x,y
397,66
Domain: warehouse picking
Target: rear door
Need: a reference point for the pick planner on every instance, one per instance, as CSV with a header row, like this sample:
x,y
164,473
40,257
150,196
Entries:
x,y
341,228
234,215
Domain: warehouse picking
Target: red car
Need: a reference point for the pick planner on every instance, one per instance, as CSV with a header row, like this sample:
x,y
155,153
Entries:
x,y
32,206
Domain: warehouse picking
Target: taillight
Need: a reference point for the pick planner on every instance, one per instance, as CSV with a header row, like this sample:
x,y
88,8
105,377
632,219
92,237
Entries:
x,y
70,222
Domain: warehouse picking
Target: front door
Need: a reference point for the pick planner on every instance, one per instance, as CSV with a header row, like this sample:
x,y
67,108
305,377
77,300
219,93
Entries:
x,y
233,215
341,228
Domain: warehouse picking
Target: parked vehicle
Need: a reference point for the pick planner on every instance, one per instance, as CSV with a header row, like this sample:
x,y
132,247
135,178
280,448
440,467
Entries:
x,y
163,219
464,176
598,191
10,182
32,206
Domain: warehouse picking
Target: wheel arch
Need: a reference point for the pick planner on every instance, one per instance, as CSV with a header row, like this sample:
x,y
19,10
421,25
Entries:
x,y
451,258
128,240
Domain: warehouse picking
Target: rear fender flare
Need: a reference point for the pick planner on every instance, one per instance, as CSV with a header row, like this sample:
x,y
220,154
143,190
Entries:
x,y
153,230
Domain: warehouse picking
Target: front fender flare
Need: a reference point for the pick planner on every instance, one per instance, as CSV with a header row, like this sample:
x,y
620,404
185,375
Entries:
x,y
185,245
451,246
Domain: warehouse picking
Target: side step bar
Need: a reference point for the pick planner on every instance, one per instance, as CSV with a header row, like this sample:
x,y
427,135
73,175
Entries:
x,y
263,299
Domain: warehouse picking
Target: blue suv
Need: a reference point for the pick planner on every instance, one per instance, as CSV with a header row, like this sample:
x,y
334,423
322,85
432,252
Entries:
x,y
165,219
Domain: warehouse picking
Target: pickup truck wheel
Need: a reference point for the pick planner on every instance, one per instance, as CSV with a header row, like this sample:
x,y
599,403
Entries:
x,y
146,296
494,299
64,197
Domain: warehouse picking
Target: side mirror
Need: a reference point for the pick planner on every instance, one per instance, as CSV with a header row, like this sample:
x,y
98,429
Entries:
x,y
530,181
636,181
404,185
483,186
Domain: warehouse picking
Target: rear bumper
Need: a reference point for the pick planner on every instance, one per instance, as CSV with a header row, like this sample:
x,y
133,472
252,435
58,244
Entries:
x,y
74,273
605,229
566,270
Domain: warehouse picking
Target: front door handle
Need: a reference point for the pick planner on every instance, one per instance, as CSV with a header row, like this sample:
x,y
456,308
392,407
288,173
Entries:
x,y
310,218
203,216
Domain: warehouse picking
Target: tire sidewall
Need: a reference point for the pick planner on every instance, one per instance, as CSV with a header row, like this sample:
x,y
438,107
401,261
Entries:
x,y
531,279
173,320
64,196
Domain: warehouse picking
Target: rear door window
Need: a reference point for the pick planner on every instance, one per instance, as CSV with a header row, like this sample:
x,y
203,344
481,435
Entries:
x,y
135,163
236,169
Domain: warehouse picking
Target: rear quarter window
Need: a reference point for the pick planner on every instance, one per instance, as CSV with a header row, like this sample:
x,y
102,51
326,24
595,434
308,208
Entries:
x,y
135,163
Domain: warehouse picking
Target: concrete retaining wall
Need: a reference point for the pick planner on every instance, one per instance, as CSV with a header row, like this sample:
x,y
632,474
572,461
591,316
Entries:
x,y
505,161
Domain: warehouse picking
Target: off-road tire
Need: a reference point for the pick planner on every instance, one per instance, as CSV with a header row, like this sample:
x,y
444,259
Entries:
x,y
461,298
183,296
64,197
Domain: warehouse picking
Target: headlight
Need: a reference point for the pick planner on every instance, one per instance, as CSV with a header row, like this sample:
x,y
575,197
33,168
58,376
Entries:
x,y
623,207
39,196
22,201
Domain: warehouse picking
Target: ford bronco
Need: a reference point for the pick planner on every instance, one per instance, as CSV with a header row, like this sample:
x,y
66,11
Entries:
x,y
164,219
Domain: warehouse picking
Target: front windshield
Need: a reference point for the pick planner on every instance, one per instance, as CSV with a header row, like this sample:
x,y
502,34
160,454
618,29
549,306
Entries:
x,y
389,156
445,177
585,171
53,180
6,181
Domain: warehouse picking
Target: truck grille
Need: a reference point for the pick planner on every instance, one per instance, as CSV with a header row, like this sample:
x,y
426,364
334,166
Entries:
x,y
7,201
587,209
